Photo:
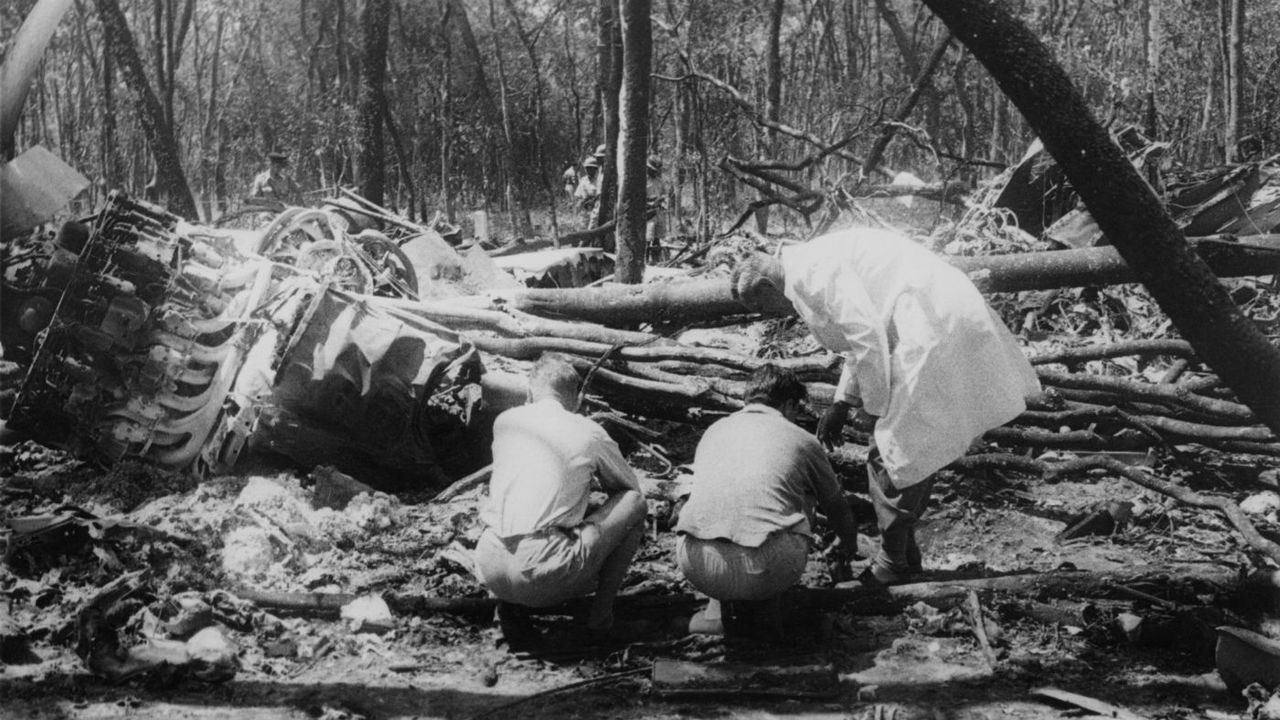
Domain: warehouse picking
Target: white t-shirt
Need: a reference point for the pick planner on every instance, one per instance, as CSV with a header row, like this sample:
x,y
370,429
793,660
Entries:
x,y
544,458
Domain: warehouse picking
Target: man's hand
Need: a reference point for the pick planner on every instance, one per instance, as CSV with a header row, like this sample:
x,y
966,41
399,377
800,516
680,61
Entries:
x,y
864,421
838,555
831,425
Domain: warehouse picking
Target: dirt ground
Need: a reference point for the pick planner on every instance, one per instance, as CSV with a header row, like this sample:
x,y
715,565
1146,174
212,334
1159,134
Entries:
x,y
913,660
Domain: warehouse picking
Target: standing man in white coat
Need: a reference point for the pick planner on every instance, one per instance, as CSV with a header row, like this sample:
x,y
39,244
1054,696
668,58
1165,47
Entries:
x,y
924,357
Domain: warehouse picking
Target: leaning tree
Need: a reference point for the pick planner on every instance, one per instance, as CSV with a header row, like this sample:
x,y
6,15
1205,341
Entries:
x,y
1124,205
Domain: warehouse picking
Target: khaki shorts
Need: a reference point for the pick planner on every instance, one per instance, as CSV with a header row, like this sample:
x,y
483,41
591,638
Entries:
x,y
542,569
727,571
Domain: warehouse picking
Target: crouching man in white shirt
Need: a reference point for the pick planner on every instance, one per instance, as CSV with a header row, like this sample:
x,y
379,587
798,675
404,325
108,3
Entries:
x,y
539,547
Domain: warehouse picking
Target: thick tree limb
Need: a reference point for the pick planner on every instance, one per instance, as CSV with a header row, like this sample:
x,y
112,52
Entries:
x,y
1171,394
1179,348
760,119
704,300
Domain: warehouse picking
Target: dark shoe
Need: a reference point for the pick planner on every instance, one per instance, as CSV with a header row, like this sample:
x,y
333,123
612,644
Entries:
x,y
623,631
516,624
756,620
874,576
915,564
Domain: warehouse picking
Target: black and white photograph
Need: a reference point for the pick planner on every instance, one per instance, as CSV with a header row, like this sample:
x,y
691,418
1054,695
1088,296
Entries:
x,y
723,359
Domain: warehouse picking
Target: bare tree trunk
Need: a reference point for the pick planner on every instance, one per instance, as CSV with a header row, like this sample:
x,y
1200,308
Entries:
x,y
473,68
446,123
403,161
772,98
1121,202
530,46
371,173
1151,41
514,211
110,149
609,81
160,138
1232,14
905,48
211,124
633,138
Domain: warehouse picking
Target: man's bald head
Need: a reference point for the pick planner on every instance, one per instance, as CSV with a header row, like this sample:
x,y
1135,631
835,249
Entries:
x,y
758,282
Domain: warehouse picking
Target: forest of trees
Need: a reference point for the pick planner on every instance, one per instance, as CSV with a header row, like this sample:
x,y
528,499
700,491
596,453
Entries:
x,y
445,106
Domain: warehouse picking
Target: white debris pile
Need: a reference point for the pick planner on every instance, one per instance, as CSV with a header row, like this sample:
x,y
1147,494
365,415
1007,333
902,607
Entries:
x,y
267,530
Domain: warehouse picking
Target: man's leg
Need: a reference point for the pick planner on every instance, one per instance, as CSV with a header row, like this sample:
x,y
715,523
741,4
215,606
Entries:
x,y
620,524
897,511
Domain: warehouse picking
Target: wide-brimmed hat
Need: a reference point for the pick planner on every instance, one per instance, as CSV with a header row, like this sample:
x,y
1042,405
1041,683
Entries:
x,y
590,162
277,156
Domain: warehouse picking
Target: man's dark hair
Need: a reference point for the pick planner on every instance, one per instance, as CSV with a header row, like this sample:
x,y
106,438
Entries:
x,y
772,385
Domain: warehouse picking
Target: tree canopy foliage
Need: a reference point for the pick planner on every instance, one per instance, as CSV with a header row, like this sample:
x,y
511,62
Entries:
x,y
486,101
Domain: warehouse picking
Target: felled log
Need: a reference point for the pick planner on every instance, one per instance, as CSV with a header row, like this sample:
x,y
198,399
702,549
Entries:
x,y
707,300
529,348
1170,394
1178,348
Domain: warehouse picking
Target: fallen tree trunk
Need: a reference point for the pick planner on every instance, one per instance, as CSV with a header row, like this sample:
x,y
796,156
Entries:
x,y
1151,392
707,300
1179,348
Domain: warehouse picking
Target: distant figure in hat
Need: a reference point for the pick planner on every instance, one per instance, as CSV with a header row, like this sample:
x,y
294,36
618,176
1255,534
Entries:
x,y
588,191
275,184
656,210
569,176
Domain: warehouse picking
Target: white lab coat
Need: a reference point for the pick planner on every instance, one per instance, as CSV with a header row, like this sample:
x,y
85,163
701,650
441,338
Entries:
x,y
922,349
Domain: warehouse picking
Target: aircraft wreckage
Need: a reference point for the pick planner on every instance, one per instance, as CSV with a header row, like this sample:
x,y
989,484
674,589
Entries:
x,y
184,346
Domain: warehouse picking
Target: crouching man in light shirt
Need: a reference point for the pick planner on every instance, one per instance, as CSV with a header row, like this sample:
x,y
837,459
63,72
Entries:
x,y
744,532
539,547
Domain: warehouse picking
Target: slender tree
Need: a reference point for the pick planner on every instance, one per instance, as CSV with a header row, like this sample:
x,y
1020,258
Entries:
x,y
1232,14
608,83
772,97
633,138
372,174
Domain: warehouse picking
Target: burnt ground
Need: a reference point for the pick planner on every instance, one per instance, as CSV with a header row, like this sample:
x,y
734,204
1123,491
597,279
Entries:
x,y
1143,643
